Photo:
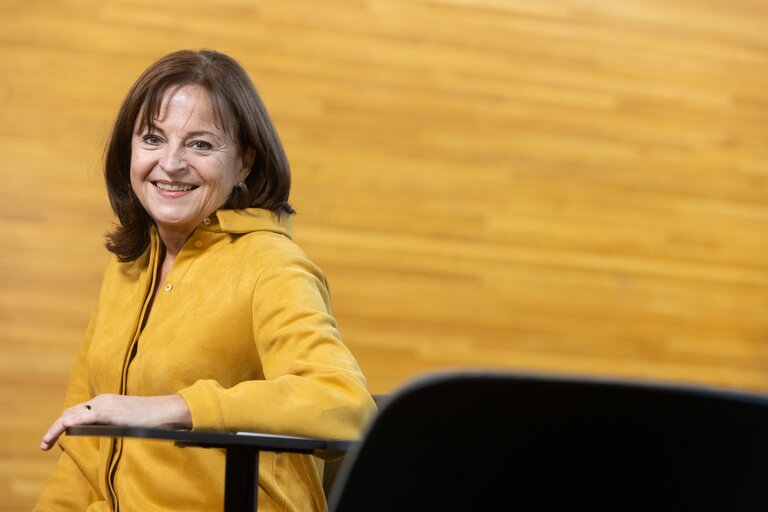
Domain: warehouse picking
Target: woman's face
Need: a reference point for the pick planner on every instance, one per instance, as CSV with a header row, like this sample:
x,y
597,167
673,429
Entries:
x,y
183,166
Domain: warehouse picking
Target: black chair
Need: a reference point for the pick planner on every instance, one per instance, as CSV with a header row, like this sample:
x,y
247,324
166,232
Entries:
x,y
332,466
486,441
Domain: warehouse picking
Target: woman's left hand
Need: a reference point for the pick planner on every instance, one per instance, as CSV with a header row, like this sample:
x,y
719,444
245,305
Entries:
x,y
168,411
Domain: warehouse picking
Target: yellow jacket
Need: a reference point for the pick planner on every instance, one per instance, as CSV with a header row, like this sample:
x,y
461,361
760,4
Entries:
x,y
242,330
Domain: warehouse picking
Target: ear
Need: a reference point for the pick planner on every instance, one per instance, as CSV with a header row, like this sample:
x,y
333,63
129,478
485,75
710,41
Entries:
x,y
247,162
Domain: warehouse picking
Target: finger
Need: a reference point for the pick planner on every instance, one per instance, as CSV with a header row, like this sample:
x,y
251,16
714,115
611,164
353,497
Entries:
x,y
53,434
76,415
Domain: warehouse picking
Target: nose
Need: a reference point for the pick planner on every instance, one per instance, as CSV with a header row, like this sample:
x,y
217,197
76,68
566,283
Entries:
x,y
173,158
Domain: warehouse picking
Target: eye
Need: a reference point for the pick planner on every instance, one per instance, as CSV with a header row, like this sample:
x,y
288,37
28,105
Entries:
x,y
152,140
202,145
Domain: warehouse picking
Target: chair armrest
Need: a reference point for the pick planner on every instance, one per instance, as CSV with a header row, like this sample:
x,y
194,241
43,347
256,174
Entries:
x,y
237,440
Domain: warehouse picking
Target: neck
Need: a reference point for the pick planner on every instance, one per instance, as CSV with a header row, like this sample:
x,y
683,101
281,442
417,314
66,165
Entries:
x,y
173,241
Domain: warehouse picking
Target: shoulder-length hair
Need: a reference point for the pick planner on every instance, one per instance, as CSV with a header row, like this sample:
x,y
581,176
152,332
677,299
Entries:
x,y
237,109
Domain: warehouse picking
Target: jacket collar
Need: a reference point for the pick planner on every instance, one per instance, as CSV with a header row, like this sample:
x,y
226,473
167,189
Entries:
x,y
247,221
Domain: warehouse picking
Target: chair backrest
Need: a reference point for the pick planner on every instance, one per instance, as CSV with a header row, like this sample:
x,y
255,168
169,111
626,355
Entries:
x,y
331,467
504,441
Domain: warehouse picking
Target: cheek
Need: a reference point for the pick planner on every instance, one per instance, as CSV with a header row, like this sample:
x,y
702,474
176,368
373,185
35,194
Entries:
x,y
225,176
140,165
137,183
137,177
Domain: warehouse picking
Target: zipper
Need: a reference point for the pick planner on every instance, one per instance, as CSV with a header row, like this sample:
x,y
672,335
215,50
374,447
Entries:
x,y
117,445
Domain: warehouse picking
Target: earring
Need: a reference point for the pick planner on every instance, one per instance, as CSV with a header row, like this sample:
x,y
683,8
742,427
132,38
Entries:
x,y
242,186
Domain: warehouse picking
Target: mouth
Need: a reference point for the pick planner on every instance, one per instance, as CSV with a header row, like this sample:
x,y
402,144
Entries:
x,y
173,187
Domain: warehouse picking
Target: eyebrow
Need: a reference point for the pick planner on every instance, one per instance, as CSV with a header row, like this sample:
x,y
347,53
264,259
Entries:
x,y
197,133
201,132
153,128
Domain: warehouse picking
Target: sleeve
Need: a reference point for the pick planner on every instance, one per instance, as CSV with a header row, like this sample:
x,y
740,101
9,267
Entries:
x,y
73,483
313,386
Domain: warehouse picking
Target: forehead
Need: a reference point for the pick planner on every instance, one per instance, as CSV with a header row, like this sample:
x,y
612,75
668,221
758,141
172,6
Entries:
x,y
189,101
182,103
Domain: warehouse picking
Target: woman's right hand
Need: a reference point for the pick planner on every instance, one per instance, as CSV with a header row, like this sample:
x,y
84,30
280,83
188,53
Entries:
x,y
167,411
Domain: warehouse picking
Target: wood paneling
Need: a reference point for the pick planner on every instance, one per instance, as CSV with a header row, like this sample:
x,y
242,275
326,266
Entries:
x,y
567,186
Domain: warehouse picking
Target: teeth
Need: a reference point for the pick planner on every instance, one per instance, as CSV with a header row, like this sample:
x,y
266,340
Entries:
x,y
173,188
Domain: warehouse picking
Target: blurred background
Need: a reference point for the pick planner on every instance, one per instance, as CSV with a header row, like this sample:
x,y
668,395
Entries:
x,y
574,186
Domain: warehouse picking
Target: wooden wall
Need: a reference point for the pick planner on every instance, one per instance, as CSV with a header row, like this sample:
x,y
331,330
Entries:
x,y
569,186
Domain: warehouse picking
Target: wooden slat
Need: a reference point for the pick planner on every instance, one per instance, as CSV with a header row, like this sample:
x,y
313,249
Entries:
x,y
563,186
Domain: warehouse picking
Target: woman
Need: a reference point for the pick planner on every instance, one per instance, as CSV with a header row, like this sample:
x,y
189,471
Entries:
x,y
209,316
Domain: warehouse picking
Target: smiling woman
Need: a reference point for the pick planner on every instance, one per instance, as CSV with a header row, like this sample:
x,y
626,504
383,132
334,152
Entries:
x,y
210,317
184,167
218,93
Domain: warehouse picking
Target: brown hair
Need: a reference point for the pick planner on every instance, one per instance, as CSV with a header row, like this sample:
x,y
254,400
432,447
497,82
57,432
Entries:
x,y
237,109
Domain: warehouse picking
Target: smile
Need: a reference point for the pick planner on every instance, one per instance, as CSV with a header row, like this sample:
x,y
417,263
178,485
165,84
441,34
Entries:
x,y
171,187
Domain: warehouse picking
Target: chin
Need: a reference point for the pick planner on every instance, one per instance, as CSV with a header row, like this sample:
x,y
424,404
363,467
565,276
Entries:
x,y
173,220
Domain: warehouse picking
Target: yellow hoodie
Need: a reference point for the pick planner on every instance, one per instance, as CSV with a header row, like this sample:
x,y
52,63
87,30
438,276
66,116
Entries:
x,y
241,329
